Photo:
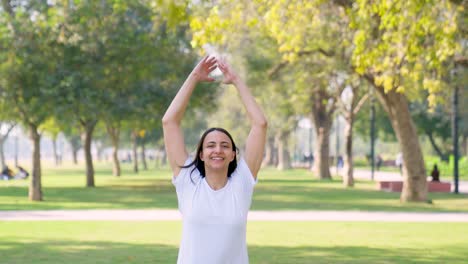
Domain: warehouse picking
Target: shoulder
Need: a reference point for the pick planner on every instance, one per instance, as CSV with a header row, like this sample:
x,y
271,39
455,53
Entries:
x,y
243,172
187,173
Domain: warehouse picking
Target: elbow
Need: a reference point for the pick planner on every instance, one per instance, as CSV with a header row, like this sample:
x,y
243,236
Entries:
x,y
169,120
263,123
166,120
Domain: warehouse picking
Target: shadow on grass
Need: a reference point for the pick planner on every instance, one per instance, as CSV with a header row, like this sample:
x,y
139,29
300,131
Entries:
x,y
104,252
270,194
329,195
137,194
348,255
85,252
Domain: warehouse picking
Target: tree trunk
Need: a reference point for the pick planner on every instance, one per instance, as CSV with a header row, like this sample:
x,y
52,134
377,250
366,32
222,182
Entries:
x,y
75,156
116,171
3,138
414,175
322,116
143,156
163,158
75,144
322,153
35,187
269,152
135,151
464,146
2,152
54,150
284,159
348,177
87,139
100,150
114,134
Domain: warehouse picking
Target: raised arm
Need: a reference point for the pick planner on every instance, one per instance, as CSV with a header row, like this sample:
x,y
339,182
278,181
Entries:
x,y
255,143
173,136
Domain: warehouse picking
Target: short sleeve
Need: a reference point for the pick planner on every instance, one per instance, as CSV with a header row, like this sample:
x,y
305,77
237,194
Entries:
x,y
245,174
185,183
243,184
183,173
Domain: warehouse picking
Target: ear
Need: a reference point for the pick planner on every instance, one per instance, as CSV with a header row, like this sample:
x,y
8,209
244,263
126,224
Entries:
x,y
233,156
201,155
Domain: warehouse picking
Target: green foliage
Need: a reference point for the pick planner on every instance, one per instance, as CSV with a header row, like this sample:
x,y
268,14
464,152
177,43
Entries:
x,y
383,127
447,168
28,48
401,42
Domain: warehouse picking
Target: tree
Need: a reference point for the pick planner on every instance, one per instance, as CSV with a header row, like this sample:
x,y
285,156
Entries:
x,y
400,47
351,101
433,124
5,129
29,48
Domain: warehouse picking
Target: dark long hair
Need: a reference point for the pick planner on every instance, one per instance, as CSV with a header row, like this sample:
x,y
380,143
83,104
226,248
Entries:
x,y
200,164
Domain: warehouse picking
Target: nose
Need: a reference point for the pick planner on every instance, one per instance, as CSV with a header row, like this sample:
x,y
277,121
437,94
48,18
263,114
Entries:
x,y
217,149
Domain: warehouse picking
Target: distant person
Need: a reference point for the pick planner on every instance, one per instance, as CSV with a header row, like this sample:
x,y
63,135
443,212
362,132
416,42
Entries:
x,y
399,161
435,173
340,162
7,174
214,188
22,173
378,162
308,158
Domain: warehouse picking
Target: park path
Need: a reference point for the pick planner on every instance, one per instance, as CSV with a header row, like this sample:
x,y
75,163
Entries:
x,y
174,215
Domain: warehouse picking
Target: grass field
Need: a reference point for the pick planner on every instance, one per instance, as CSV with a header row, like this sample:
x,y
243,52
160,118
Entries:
x,y
109,242
269,242
63,188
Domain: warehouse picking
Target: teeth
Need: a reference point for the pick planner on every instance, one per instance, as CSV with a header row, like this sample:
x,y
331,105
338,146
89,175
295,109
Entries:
x,y
217,158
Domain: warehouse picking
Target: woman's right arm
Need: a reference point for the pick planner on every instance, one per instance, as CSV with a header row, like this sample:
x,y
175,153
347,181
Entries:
x,y
173,136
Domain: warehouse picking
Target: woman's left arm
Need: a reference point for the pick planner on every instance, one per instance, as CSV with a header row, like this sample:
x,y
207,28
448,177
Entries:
x,y
255,143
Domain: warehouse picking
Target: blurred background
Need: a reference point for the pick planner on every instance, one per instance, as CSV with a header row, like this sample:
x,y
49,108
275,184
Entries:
x,y
343,83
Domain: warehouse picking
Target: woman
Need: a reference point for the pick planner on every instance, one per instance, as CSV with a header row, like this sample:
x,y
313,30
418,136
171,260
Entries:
x,y
214,189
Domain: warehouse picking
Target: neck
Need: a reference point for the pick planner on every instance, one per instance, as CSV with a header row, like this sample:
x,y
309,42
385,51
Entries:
x,y
216,179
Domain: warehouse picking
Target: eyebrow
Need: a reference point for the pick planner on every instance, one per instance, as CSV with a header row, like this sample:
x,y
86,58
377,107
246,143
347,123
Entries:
x,y
222,142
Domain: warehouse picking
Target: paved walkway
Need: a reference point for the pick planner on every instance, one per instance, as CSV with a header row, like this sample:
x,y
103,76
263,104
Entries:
x,y
173,215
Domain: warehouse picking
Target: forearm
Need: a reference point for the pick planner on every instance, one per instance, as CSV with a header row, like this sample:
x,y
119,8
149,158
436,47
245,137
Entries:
x,y
176,109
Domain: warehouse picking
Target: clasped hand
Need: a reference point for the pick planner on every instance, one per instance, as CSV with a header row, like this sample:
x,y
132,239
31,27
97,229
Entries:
x,y
209,64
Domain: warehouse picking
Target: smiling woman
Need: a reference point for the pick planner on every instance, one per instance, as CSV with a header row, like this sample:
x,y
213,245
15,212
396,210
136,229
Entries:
x,y
214,190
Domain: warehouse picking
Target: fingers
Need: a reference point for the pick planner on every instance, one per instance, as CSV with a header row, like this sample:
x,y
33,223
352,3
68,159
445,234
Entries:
x,y
210,60
212,68
222,66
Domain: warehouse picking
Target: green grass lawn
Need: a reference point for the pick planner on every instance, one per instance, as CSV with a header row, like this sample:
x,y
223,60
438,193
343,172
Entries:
x,y
63,188
105,242
109,242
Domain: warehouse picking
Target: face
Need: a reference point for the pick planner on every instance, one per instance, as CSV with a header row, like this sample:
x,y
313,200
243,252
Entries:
x,y
217,151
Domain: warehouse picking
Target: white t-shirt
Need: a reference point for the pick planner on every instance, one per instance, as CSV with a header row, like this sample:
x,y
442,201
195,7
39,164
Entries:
x,y
214,221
